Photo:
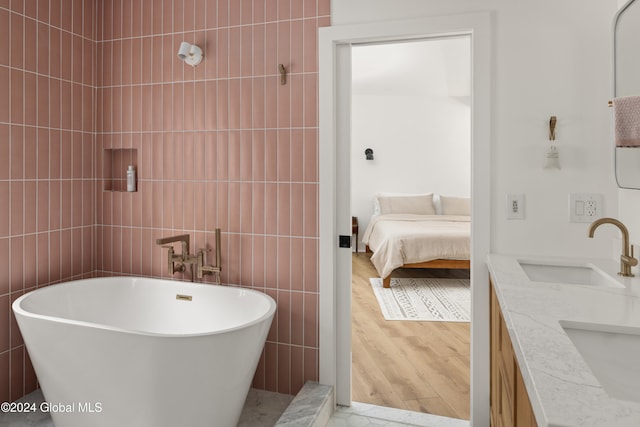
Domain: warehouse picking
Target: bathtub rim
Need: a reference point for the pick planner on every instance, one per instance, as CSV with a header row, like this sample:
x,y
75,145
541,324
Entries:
x,y
17,309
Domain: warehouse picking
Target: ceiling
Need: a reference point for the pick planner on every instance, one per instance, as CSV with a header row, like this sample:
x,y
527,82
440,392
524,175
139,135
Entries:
x,y
431,67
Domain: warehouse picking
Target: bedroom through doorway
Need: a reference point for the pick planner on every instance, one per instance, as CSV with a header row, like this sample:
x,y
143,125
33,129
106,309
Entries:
x,y
410,203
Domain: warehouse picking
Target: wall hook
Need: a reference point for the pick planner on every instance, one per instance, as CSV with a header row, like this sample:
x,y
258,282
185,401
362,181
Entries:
x,y
283,74
552,128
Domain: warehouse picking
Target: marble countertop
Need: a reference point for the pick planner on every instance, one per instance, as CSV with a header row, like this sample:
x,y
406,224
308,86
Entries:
x,y
563,390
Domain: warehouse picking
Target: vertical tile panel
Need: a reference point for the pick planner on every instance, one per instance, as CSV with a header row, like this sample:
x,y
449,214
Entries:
x,y
17,97
17,41
5,145
284,263
54,261
234,99
16,202
30,146
297,369
17,373
30,206
5,36
5,288
5,377
43,48
271,366
30,44
16,249
271,262
310,364
42,271
310,31
5,195
30,253
297,318
311,320
258,258
5,107
284,369
284,209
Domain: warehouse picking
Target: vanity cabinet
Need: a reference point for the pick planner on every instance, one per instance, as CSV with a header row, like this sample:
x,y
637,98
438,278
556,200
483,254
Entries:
x,y
510,405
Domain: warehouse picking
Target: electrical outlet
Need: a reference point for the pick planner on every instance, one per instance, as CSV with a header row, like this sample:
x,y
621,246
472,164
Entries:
x,y
585,207
515,206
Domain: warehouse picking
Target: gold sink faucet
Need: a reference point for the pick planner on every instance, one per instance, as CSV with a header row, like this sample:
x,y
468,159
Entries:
x,y
626,259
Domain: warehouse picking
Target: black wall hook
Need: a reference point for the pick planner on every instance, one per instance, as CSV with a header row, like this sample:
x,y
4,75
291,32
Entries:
x,y
369,153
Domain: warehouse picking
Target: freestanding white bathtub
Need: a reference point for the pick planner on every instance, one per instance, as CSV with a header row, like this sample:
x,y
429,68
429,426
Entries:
x,y
126,351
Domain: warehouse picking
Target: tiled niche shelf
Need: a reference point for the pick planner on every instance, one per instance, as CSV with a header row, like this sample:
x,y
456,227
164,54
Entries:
x,y
116,161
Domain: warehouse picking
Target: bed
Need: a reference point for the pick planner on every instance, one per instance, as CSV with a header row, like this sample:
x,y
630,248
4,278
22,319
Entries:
x,y
409,232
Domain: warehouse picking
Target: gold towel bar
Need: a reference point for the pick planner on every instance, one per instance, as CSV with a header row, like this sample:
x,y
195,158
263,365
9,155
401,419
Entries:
x,y
610,103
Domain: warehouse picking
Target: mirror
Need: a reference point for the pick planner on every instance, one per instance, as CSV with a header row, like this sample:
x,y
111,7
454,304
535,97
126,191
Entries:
x,y
626,82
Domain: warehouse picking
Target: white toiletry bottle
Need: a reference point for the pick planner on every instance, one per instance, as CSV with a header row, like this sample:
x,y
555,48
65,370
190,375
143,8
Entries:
x,y
131,179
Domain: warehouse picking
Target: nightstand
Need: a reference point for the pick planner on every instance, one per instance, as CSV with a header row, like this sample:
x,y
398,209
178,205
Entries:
x,y
354,229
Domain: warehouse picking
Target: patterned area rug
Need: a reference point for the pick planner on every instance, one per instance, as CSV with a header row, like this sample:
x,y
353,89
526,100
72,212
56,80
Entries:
x,y
436,300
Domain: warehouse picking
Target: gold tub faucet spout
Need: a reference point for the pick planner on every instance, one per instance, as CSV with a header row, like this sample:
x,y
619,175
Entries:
x,y
175,263
626,258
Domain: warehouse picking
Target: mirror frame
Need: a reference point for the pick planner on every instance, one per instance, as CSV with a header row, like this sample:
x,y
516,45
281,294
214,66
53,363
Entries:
x,y
614,28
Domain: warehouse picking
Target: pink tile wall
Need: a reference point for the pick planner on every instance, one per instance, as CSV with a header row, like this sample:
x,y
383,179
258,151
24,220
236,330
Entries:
x,y
220,145
47,216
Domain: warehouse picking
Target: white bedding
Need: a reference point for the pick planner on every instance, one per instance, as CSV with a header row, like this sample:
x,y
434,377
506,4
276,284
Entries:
x,y
398,239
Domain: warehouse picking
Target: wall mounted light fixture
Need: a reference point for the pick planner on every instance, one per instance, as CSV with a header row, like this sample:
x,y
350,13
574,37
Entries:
x,y
552,128
190,53
552,160
369,153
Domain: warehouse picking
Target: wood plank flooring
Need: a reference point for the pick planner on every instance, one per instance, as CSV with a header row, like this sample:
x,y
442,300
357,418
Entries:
x,y
419,366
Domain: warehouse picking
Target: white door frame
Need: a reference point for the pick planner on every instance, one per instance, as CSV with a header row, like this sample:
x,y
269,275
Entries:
x,y
334,134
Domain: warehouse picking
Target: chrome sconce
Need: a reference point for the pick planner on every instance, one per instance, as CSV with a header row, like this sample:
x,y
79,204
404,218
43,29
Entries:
x,y
190,53
369,153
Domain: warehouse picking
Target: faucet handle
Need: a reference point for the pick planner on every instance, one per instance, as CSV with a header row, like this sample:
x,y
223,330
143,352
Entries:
x,y
632,261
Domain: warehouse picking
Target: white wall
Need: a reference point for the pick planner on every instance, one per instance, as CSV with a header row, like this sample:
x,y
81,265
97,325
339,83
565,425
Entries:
x,y
550,58
421,145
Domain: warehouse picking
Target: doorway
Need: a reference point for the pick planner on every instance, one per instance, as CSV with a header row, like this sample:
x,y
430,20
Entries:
x,y
335,219
411,112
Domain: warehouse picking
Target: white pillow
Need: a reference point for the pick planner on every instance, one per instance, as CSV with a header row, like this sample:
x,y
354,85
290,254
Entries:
x,y
455,205
376,203
420,205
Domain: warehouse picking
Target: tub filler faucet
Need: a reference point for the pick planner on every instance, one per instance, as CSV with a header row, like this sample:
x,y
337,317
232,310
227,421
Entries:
x,y
176,263
626,258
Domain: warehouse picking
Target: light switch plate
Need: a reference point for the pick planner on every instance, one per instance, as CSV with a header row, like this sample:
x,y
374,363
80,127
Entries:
x,y
585,207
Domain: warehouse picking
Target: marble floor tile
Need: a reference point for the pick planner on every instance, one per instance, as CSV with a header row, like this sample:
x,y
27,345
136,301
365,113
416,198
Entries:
x,y
365,415
262,408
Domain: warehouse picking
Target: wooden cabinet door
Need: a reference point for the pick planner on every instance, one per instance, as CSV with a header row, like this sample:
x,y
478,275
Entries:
x,y
524,412
510,405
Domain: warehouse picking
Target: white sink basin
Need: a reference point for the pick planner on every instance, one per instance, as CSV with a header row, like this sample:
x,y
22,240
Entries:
x,y
579,273
612,354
